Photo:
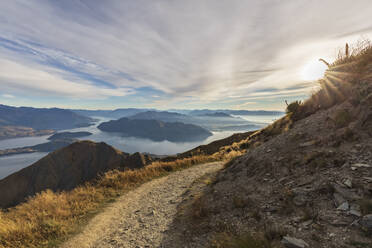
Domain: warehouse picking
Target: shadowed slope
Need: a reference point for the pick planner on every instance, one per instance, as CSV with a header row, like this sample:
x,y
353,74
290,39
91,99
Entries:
x,y
61,170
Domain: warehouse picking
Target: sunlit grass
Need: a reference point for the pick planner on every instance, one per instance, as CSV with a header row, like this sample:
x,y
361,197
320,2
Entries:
x,y
351,66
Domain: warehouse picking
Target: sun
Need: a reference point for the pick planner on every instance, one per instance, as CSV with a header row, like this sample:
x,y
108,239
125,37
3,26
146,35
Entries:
x,y
313,70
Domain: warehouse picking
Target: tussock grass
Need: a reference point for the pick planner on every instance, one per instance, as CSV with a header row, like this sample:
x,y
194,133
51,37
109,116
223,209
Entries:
x,y
48,218
351,67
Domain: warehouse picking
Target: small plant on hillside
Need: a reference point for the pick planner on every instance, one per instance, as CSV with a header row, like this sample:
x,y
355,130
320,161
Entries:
x,y
342,118
366,206
293,107
294,110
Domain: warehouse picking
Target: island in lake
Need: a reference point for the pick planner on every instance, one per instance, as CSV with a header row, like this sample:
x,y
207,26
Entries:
x,y
69,135
57,141
156,130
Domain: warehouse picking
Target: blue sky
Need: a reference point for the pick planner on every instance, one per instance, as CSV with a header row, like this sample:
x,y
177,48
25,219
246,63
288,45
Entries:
x,y
170,54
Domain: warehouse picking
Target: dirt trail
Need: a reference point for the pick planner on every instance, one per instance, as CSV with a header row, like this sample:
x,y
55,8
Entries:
x,y
141,217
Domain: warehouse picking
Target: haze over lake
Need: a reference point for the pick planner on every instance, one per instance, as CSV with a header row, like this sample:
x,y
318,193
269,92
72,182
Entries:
x,y
13,163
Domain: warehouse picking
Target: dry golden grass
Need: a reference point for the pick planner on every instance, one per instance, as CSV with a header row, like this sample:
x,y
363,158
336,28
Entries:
x,y
50,217
351,67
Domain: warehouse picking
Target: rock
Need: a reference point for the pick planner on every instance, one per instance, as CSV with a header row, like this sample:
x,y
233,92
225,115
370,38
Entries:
x,y
344,206
290,242
338,199
307,223
360,165
346,193
366,222
348,183
368,179
355,213
309,143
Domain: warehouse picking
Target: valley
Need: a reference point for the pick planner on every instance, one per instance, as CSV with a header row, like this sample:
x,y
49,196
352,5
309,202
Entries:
x,y
14,155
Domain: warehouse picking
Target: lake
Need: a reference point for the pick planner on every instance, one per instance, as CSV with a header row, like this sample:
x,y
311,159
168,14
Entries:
x,y
13,163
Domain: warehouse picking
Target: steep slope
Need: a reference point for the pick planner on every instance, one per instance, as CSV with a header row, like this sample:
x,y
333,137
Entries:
x,y
305,181
66,168
156,130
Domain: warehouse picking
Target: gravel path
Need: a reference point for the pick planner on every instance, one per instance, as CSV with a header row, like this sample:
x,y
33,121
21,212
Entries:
x,y
141,217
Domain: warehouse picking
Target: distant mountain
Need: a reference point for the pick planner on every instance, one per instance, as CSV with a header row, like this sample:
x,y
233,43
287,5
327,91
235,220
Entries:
x,y
117,113
218,114
214,121
65,169
156,130
160,115
235,112
41,118
69,135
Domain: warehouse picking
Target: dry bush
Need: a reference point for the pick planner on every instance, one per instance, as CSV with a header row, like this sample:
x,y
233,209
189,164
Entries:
x,y
199,209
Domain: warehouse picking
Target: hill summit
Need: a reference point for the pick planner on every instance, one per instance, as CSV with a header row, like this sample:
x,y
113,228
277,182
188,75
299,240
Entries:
x,y
66,168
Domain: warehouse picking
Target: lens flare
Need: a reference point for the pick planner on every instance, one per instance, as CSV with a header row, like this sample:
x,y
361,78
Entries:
x,y
313,70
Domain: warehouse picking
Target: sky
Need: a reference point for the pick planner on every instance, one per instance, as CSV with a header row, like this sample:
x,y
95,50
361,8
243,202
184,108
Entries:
x,y
231,54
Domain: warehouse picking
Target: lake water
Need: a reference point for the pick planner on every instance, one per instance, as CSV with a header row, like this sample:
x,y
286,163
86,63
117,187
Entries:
x,y
10,164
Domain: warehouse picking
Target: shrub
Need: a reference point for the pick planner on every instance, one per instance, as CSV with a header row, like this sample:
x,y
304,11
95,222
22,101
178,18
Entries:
x,y
293,107
342,118
366,206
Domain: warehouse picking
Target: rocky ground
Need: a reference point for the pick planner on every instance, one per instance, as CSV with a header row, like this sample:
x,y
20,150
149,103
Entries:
x,y
142,217
308,187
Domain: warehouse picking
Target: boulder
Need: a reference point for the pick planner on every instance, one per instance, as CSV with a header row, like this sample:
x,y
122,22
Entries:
x,y
346,193
344,206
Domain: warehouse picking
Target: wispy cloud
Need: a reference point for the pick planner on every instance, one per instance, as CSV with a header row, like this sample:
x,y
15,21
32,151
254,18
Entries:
x,y
186,51
7,96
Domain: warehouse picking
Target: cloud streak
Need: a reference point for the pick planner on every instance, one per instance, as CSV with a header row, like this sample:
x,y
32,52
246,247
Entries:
x,y
188,51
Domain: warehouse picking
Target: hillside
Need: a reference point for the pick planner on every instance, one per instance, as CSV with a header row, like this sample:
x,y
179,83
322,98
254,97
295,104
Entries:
x,y
155,130
305,181
65,169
